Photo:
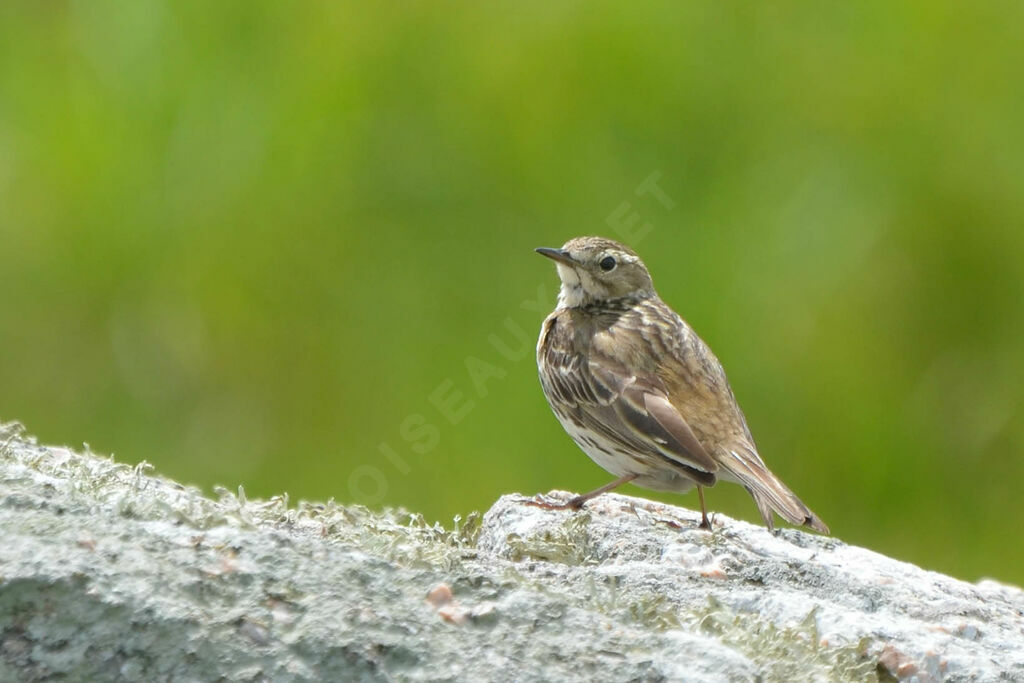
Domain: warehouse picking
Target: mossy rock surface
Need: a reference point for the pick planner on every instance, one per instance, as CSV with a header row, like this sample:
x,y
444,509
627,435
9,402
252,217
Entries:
x,y
108,572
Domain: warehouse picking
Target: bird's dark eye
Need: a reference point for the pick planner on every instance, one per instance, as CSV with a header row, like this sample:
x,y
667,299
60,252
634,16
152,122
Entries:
x,y
607,263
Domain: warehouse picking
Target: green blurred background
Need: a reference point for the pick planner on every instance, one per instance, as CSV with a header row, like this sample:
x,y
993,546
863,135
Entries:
x,y
251,242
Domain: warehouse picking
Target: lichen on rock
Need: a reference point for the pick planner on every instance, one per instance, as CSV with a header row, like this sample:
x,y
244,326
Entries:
x,y
109,572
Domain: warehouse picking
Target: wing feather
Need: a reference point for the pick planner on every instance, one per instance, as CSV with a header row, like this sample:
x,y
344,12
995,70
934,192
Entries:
x,y
628,409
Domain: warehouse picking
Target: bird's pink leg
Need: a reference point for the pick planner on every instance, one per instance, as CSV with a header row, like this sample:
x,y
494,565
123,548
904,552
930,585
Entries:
x,y
705,523
577,502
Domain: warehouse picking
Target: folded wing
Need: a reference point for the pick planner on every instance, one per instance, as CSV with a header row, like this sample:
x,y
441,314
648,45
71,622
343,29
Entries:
x,y
631,411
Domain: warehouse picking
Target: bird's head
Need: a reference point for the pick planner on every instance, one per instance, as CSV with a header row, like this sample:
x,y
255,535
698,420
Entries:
x,y
594,269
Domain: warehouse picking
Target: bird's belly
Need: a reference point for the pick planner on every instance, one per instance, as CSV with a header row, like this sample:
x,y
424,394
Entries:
x,y
602,451
613,458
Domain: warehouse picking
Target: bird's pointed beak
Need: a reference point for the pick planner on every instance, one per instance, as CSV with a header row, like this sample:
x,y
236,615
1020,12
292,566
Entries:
x,y
560,255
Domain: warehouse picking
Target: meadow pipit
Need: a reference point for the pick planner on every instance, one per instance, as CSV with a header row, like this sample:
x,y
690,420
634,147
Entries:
x,y
640,392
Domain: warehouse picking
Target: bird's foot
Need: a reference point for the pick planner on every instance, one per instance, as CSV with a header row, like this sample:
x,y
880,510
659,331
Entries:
x,y
543,501
705,523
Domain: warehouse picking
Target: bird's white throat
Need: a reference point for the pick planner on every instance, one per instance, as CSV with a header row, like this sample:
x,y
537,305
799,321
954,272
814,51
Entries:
x,y
571,293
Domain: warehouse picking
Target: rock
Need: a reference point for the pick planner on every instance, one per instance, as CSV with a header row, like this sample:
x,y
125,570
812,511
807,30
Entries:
x,y
108,572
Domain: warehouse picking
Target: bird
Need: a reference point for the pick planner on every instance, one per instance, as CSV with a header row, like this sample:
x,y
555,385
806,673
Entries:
x,y
640,393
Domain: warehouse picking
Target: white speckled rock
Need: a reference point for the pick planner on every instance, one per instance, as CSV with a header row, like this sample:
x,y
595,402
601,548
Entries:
x,y
109,573
795,595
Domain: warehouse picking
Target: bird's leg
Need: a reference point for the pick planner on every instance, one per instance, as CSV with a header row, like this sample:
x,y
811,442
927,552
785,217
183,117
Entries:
x,y
705,523
576,502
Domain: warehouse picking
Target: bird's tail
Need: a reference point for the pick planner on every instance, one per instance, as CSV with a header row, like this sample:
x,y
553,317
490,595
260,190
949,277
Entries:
x,y
768,491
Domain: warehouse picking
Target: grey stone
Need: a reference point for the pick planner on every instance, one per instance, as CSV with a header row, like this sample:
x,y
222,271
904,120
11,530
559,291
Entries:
x,y
108,572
